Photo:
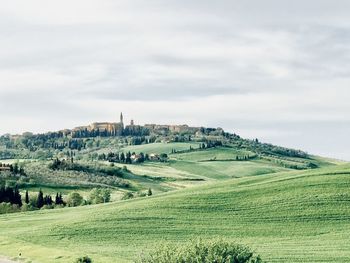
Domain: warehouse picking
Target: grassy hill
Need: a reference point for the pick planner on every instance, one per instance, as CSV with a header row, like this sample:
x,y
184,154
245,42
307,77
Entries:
x,y
187,166
290,216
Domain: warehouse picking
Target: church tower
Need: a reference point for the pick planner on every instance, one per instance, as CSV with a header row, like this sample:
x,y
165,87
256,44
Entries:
x,y
121,118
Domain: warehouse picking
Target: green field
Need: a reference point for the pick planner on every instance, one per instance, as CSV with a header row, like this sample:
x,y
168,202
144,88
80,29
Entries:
x,y
184,169
297,216
286,215
218,154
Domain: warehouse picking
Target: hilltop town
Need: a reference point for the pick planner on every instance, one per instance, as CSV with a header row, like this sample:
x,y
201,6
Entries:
x,y
132,129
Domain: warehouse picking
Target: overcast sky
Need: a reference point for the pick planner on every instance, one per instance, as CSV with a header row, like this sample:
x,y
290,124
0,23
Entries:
x,y
275,70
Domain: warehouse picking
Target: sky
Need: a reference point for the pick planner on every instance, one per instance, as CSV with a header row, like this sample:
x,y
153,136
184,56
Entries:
x,y
274,70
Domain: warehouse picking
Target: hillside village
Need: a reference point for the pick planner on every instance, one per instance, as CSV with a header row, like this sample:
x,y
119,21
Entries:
x,y
132,129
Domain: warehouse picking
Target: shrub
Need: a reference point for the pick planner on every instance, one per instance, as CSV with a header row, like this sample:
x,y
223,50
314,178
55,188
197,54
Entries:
x,y
141,194
8,208
74,199
27,207
127,195
217,251
47,207
85,259
98,195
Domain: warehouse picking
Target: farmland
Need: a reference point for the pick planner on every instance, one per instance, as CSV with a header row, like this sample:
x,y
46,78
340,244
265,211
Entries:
x,y
298,216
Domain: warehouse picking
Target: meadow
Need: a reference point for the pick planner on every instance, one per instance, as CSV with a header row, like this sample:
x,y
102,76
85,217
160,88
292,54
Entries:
x,y
293,216
277,204
184,168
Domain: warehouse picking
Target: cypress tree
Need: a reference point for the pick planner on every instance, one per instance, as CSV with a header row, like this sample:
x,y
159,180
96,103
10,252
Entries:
x,y
9,195
47,200
40,201
27,197
15,168
57,199
17,197
122,157
61,200
128,158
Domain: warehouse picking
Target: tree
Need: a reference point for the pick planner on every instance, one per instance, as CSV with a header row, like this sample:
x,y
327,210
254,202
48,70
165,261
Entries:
x,y
122,157
40,201
59,199
142,158
21,171
106,194
74,199
47,200
17,200
127,195
85,259
163,157
15,168
27,198
149,193
99,195
128,158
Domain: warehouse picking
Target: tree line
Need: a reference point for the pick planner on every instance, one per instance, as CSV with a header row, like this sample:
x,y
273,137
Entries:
x,y
129,158
13,168
10,195
123,157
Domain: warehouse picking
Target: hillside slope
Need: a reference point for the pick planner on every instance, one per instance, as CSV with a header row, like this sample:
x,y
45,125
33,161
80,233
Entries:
x,y
298,216
185,166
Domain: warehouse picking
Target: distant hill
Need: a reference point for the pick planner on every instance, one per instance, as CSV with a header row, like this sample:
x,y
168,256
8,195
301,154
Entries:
x,y
168,158
49,145
180,182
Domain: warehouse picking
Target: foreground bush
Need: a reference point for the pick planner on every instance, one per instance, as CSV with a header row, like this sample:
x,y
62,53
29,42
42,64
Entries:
x,y
202,252
85,259
9,208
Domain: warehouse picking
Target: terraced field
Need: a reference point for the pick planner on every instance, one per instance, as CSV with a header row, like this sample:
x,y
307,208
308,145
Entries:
x,y
298,216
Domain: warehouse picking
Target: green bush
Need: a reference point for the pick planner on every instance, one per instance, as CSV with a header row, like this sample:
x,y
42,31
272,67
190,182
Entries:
x,y
74,199
127,195
85,259
27,207
99,195
217,251
8,208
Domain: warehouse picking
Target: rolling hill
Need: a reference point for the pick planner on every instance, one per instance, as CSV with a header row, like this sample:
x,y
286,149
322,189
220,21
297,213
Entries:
x,y
186,166
286,204
289,216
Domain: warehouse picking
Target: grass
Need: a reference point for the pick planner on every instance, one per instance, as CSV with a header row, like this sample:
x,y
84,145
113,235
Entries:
x,y
298,216
221,153
219,170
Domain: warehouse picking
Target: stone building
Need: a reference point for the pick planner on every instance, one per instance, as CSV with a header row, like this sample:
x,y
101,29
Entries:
x,y
112,128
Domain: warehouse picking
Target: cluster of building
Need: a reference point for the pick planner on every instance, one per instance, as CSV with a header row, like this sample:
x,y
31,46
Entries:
x,y
119,129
